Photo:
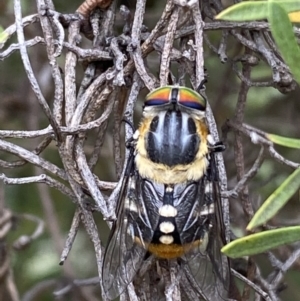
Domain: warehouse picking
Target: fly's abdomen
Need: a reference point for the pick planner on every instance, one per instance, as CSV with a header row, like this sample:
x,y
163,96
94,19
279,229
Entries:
x,y
172,138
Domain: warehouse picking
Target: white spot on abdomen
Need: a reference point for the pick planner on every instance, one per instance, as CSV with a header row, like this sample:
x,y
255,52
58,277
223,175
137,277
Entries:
x,y
166,239
169,189
166,227
167,211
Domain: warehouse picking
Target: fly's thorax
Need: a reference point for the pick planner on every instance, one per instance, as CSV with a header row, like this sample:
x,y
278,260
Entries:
x,y
172,138
172,146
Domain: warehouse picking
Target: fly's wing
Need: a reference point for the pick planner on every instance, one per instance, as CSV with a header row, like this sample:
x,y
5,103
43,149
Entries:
x,y
208,270
122,257
118,267
223,270
201,228
130,234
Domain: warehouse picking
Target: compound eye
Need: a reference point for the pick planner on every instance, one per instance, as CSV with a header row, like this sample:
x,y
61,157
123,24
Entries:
x,y
191,99
172,94
157,97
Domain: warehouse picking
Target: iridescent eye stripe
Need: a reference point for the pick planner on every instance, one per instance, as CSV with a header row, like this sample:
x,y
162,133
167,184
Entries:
x,y
159,96
186,97
191,99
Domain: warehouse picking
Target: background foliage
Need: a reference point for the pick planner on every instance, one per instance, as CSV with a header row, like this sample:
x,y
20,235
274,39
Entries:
x,y
34,268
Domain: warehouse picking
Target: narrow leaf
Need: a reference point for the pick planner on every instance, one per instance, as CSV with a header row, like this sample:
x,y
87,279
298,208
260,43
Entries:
x,y
282,31
284,141
245,11
255,10
261,242
3,36
276,200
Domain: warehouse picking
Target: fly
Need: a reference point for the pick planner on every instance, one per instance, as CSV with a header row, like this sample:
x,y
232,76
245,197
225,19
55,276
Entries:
x,y
170,203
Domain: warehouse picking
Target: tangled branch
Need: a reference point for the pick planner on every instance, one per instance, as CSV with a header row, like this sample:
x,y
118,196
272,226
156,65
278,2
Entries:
x,y
116,69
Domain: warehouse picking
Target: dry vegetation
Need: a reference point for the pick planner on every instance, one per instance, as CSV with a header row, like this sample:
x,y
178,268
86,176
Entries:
x,y
62,126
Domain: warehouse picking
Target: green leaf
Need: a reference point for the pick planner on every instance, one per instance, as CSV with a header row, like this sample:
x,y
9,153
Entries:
x,y
261,242
245,11
282,31
3,35
284,141
255,10
276,200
